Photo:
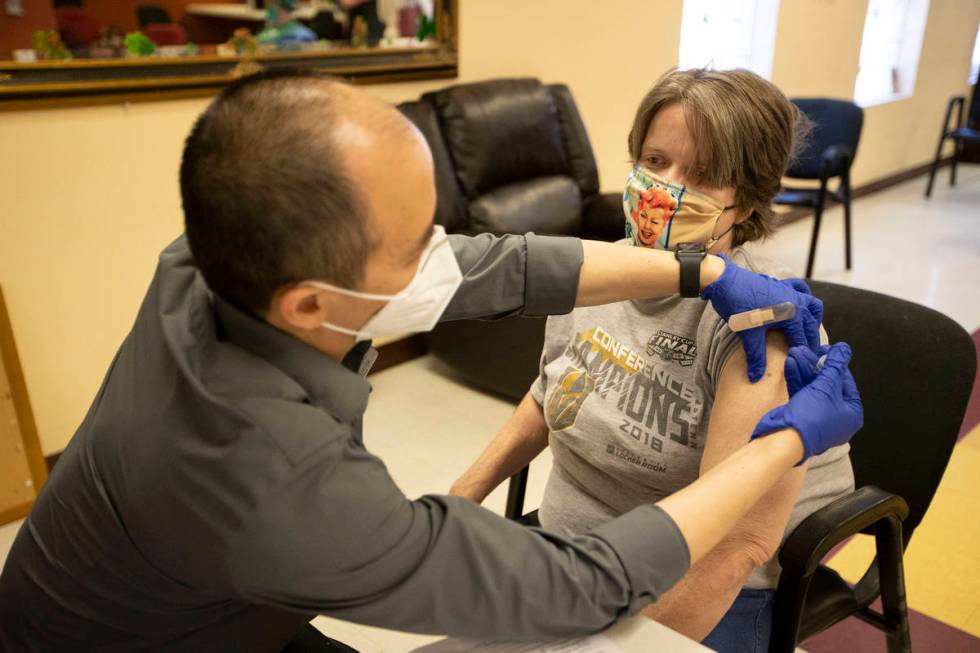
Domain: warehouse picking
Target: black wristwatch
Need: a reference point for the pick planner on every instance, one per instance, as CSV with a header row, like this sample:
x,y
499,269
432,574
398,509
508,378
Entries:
x,y
690,256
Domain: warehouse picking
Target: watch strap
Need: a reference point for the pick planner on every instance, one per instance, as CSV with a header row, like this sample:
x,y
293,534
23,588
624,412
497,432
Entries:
x,y
690,278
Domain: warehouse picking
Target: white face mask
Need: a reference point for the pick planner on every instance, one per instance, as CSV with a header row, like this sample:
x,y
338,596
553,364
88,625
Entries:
x,y
419,305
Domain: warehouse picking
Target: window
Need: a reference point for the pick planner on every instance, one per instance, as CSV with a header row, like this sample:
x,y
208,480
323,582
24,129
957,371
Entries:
x,y
975,60
890,49
725,34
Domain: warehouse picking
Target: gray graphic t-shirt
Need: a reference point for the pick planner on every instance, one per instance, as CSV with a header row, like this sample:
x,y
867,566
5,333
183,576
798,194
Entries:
x,y
627,391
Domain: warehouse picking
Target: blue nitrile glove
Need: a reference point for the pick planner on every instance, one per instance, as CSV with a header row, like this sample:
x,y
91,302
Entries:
x,y
801,367
738,290
827,411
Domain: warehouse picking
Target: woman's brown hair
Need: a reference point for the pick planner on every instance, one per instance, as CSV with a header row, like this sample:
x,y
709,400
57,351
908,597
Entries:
x,y
745,130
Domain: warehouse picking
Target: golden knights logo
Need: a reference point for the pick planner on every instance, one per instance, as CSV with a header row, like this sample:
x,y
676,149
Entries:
x,y
670,347
567,398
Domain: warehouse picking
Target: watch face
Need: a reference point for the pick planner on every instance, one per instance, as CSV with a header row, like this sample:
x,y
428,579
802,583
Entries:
x,y
690,247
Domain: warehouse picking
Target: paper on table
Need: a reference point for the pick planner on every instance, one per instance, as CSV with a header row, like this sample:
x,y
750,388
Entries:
x,y
593,644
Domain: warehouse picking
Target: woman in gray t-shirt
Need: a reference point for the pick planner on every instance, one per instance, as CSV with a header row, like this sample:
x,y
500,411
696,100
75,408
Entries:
x,y
637,399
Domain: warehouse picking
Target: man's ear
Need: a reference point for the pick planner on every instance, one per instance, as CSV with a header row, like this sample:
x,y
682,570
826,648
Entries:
x,y
300,307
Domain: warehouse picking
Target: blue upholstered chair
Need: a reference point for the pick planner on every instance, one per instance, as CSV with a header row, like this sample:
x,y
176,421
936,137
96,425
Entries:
x,y
828,153
960,134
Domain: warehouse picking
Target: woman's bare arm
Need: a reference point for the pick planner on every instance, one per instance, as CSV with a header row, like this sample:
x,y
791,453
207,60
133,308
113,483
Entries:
x,y
518,442
698,602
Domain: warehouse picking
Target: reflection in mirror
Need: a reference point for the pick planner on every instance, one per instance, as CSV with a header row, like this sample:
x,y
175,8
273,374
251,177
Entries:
x,y
38,30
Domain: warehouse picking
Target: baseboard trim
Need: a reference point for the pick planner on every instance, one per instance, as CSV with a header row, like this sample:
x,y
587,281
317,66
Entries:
x,y
389,355
866,189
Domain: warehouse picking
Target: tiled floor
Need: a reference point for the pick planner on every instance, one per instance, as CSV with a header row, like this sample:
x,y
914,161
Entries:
x,y
428,428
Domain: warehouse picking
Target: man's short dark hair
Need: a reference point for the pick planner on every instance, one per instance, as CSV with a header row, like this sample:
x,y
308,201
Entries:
x,y
266,199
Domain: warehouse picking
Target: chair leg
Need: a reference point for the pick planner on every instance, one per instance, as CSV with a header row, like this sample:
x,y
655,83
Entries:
x,y
846,188
891,574
956,159
787,612
935,165
817,214
515,494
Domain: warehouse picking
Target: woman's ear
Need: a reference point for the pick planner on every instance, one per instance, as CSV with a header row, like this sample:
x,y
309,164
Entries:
x,y
742,215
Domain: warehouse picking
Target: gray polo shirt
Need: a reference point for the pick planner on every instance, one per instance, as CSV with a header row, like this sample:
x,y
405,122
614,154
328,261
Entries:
x,y
219,494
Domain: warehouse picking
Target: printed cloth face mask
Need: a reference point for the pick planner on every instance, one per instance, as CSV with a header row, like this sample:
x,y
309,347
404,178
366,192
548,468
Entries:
x,y
661,213
419,305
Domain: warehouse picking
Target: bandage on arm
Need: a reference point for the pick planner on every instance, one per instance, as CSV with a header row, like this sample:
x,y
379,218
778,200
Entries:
x,y
762,316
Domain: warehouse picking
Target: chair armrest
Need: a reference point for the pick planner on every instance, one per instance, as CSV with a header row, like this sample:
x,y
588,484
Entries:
x,y
807,545
602,217
820,532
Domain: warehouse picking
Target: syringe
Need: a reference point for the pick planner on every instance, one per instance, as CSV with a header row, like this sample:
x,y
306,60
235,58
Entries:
x,y
761,316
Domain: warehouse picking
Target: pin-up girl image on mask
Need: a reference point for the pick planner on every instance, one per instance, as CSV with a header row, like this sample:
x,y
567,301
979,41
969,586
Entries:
x,y
654,209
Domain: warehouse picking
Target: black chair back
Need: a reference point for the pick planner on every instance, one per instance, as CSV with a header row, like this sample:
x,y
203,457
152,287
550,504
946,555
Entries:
x,y
511,156
915,368
835,123
146,14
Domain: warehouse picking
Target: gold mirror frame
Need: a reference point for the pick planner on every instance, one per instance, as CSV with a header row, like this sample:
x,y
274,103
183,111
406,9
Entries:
x,y
85,82
22,468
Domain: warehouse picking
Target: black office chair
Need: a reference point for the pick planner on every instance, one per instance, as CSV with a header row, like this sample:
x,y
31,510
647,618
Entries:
x,y
915,368
960,134
828,153
511,156
146,14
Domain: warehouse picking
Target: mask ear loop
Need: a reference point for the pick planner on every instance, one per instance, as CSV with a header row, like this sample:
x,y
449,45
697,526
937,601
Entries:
x,y
670,222
715,239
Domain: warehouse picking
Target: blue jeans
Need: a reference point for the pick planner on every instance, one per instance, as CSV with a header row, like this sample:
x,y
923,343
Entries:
x,y
746,626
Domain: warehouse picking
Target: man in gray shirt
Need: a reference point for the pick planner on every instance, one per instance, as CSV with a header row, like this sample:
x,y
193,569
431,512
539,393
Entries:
x,y
218,494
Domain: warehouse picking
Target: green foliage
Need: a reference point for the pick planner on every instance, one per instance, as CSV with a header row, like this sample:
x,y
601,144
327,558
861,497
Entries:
x,y
427,28
243,41
138,44
48,45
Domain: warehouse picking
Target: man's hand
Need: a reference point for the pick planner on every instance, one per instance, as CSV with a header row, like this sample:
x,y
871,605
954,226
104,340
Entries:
x,y
739,290
801,367
827,411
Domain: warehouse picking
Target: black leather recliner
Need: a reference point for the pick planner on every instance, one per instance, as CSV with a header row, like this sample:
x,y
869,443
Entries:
x,y
511,156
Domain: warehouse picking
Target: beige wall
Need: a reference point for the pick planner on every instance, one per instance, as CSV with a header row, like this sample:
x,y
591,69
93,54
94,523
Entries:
x,y
817,47
90,195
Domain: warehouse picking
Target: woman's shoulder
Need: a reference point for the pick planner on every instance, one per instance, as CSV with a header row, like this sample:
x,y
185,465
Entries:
x,y
747,258
713,335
